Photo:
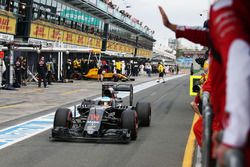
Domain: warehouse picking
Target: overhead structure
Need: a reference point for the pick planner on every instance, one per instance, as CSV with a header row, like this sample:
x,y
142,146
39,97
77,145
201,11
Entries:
x,y
164,54
103,11
69,28
53,49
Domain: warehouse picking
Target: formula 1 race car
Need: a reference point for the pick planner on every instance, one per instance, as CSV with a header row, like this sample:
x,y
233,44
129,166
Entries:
x,y
104,120
93,74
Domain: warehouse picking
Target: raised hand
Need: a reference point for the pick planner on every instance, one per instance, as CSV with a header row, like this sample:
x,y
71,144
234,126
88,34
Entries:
x,y
166,21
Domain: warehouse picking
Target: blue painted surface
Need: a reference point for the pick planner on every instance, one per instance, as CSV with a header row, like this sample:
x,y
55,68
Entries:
x,y
2,143
24,130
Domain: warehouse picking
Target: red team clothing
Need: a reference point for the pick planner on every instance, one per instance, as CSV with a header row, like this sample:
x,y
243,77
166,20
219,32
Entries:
x,y
197,128
229,75
200,35
230,29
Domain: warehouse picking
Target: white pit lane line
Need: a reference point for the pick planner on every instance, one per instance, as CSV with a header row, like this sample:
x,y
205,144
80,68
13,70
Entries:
x,y
25,130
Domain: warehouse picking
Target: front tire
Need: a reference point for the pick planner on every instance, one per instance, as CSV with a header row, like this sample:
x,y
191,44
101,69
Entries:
x,y
130,121
63,118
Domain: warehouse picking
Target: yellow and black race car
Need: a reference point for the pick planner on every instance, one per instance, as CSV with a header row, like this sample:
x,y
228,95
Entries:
x,y
93,74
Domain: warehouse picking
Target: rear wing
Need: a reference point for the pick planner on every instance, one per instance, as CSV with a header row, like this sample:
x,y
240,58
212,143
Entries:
x,y
120,88
126,88
123,87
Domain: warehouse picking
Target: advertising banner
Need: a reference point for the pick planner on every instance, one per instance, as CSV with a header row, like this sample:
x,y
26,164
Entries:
x,y
55,34
144,52
120,47
80,17
7,25
6,37
68,37
80,40
39,31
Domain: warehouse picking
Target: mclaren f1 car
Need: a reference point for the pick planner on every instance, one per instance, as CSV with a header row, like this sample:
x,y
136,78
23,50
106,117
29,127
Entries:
x,y
104,120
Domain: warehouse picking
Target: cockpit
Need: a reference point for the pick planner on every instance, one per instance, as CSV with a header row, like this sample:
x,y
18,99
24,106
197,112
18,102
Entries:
x,y
105,101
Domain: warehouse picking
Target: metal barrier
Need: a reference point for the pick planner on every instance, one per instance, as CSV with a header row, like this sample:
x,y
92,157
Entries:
x,y
207,136
205,100
207,130
232,158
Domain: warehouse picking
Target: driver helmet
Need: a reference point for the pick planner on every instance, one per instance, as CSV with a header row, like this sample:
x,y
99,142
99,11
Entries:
x,y
105,101
109,92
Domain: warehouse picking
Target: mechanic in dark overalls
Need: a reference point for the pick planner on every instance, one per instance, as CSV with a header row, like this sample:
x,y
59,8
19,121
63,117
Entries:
x,y
18,74
24,73
42,70
69,69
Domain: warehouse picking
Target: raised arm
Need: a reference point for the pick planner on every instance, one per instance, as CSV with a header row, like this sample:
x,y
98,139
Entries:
x,y
197,35
166,21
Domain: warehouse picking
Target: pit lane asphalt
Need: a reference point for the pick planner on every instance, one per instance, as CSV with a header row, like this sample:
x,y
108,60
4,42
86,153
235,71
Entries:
x,y
161,144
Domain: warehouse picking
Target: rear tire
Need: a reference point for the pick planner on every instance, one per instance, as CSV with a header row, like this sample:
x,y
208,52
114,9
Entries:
x,y
143,110
63,118
130,121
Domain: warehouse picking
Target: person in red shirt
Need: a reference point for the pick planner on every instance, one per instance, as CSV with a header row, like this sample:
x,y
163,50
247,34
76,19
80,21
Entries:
x,y
229,40
198,35
230,33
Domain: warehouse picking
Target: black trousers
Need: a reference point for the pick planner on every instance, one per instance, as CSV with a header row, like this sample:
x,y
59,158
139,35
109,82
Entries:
x,y
49,77
118,71
42,76
68,74
18,75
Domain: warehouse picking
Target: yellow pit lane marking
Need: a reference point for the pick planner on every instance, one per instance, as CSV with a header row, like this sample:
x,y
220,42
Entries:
x,y
34,90
70,92
9,106
189,151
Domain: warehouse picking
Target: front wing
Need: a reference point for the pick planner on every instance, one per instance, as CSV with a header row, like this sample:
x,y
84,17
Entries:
x,y
111,136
